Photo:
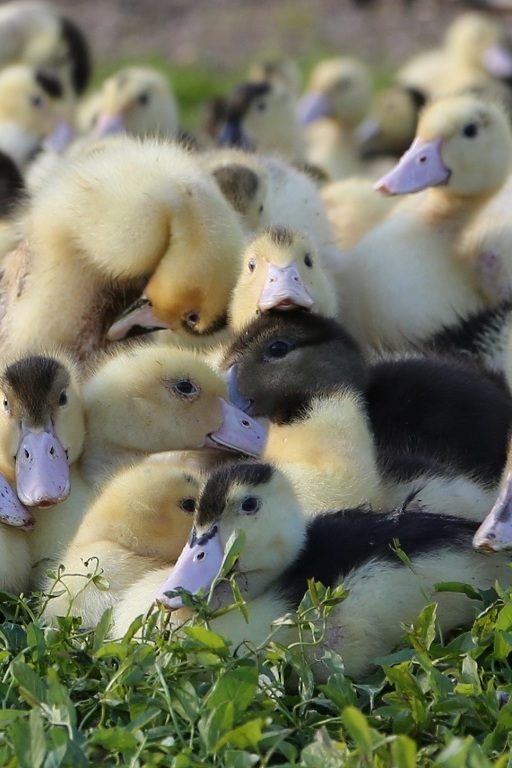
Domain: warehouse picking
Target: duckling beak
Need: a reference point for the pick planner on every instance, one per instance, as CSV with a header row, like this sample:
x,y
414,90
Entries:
x,y
312,106
284,289
495,533
232,135
234,395
42,469
238,432
497,60
11,510
195,569
107,125
420,167
136,319
61,137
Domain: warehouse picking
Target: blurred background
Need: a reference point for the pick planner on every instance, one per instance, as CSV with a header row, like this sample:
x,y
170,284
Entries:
x,y
205,45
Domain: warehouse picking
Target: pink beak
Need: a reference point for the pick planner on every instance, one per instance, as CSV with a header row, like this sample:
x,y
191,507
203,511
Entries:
x,y
495,533
497,60
42,469
196,568
11,510
312,106
238,432
61,137
420,167
284,288
107,125
140,314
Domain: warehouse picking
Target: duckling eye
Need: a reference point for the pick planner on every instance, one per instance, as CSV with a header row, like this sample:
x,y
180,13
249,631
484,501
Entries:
x,y
6,406
188,506
261,106
143,99
36,101
308,261
277,349
63,397
470,130
185,388
252,265
250,505
192,319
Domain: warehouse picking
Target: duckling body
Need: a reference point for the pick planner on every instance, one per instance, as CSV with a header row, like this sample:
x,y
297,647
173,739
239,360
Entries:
x,y
281,554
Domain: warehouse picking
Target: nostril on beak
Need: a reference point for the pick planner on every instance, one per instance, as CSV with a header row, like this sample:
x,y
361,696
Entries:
x,y
52,451
423,159
27,454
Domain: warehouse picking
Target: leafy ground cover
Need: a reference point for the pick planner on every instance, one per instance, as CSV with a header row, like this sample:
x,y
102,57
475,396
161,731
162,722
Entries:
x,y
74,697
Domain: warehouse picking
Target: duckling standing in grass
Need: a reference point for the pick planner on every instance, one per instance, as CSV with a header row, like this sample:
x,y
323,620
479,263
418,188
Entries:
x,y
403,281
139,522
283,550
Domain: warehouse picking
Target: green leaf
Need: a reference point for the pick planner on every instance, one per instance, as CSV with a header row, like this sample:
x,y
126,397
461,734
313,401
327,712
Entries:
x,y
340,691
323,753
245,736
458,586
206,638
32,688
215,724
357,726
37,739
238,686
116,739
102,629
504,619
403,752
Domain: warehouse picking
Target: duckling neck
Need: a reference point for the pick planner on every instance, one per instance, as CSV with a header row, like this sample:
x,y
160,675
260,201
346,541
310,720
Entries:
x,y
444,207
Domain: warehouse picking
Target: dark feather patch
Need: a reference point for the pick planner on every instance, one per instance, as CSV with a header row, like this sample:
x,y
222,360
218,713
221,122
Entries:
x,y
280,235
238,184
50,83
212,501
339,542
12,186
79,54
242,97
31,380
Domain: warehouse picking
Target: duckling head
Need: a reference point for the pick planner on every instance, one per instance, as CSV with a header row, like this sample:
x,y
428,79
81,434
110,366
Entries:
x,y
281,360
479,41
280,270
256,499
462,143
257,115
31,101
392,127
339,88
156,398
139,101
42,426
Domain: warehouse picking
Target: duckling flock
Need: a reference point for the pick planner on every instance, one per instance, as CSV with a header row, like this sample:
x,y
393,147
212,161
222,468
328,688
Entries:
x,y
321,290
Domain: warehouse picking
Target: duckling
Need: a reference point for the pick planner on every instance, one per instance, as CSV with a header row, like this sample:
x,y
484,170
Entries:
x,y
280,270
266,191
432,423
337,100
261,115
140,521
353,209
12,192
36,33
282,69
283,550
474,49
461,158
31,109
138,101
392,127
102,227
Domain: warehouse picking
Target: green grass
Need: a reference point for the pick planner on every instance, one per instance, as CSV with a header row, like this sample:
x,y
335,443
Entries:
x,y
72,697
